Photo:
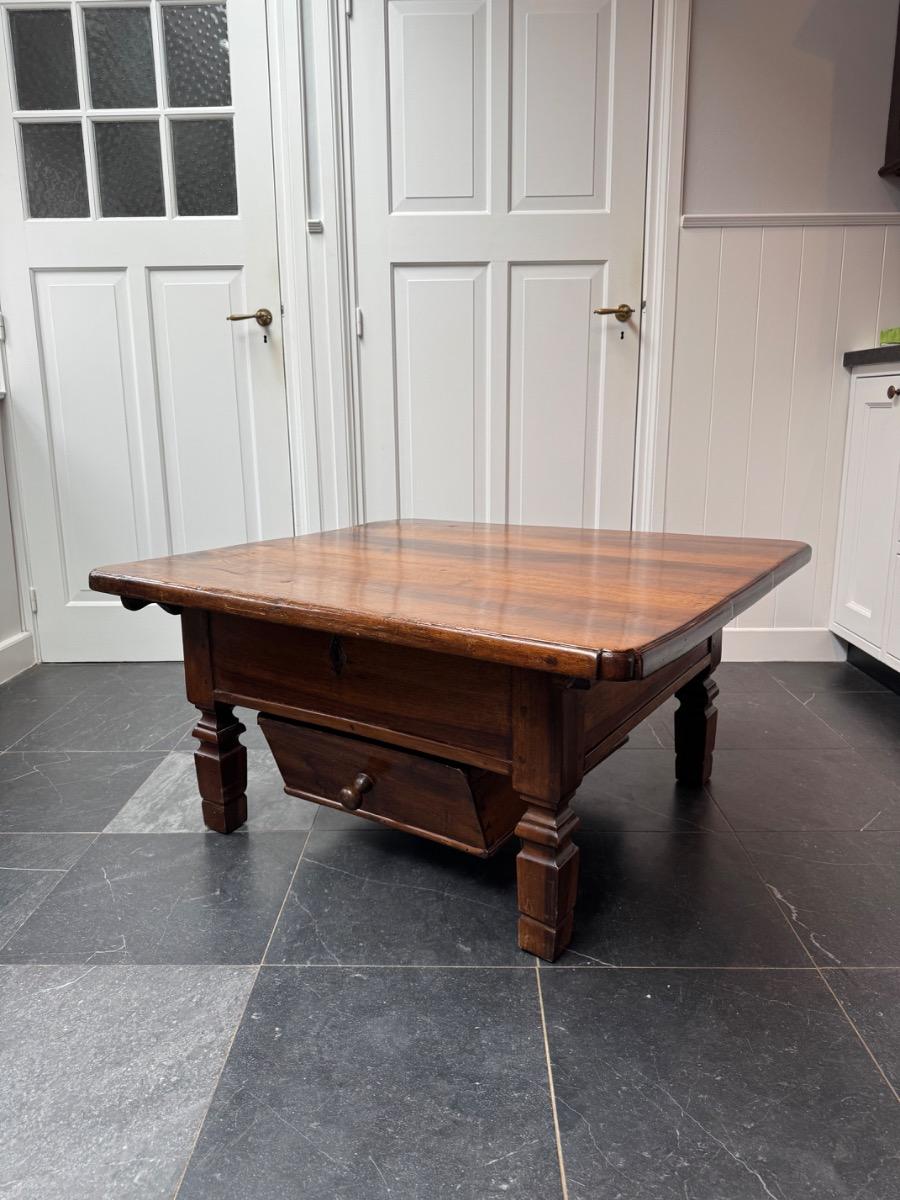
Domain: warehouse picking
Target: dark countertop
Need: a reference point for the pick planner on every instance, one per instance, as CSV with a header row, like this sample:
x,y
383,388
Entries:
x,y
877,354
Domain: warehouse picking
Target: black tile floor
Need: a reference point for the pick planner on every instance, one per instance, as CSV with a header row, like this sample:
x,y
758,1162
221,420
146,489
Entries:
x,y
316,1008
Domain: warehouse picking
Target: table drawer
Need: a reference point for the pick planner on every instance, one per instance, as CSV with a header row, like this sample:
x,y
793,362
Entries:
x,y
461,806
451,703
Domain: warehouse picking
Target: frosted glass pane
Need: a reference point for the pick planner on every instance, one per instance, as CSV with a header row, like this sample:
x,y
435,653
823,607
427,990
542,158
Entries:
x,y
204,168
130,171
54,170
44,57
120,57
197,65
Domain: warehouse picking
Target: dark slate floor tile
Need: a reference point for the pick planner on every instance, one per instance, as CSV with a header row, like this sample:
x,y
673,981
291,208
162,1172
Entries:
x,y
654,733
35,696
163,898
797,790
723,1085
636,790
46,681
806,679
352,1085
136,676
69,679
885,759
840,890
386,897
168,801
125,716
863,718
61,792
749,678
872,999
21,713
107,1074
43,851
20,894
764,722
674,899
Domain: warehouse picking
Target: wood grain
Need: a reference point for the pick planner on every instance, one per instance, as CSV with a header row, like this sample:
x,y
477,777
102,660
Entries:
x,y
577,602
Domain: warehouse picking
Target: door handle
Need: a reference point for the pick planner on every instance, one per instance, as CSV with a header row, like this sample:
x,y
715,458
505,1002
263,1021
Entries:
x,y
622,312
262,316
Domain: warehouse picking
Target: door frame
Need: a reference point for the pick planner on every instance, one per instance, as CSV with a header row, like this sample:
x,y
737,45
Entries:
x,y
669,69
334,393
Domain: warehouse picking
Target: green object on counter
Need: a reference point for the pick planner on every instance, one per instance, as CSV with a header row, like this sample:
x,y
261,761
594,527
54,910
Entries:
x,y
889,337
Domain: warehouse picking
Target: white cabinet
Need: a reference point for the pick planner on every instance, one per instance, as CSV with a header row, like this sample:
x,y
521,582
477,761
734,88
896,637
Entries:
x,y
866,609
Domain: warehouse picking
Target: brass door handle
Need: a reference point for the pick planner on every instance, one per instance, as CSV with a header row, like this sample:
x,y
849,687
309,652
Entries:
x,y
352,797
622,312
262,316
892,392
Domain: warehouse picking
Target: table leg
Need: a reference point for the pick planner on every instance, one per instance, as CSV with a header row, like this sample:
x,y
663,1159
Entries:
x,y
221,763
695,729
547,873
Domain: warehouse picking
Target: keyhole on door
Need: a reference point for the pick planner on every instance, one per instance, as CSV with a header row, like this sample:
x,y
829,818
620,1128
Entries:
x,y
622,336
265,337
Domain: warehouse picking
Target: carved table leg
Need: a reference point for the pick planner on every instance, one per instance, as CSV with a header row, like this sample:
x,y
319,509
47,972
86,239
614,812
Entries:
x,y
695,729
547,874
221,763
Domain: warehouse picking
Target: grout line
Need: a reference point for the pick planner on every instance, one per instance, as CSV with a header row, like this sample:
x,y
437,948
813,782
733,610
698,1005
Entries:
x,y
215,1086
553,1109
286,894
367,966
856,1030
41,870
239,1022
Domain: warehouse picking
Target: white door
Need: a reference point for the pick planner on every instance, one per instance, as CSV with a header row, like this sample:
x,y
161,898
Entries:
x,y
867,547
141,215
499,163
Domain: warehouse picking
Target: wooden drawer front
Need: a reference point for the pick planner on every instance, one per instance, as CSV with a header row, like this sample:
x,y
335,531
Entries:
x,y
449,701
463,807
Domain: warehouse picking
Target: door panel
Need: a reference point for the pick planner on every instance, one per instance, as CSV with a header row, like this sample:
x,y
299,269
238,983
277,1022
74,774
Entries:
x,y
85,337
437,56
442,388
560,104
141,216
499,157
555,370
205,406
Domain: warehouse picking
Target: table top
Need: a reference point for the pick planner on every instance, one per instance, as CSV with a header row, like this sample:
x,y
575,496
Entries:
x,y
587,603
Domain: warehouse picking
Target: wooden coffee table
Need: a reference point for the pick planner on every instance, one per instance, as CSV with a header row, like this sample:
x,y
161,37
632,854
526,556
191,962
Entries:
x,y
454,680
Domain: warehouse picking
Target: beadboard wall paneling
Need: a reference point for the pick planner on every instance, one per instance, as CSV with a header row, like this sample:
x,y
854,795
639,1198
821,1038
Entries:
x,y
759,394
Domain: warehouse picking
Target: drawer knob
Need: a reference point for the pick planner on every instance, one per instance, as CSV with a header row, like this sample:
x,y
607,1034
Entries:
x,y
352,797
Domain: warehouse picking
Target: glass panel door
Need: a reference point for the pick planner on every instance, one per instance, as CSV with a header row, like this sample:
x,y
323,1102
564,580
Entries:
x,y
124,111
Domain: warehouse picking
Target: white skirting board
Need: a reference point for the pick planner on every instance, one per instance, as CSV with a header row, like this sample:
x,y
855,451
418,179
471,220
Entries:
x,y
782,645
16,655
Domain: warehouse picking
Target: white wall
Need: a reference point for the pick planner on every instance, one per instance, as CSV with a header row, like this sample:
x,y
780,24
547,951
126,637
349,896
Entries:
x,y
759,399
787,111
788,106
